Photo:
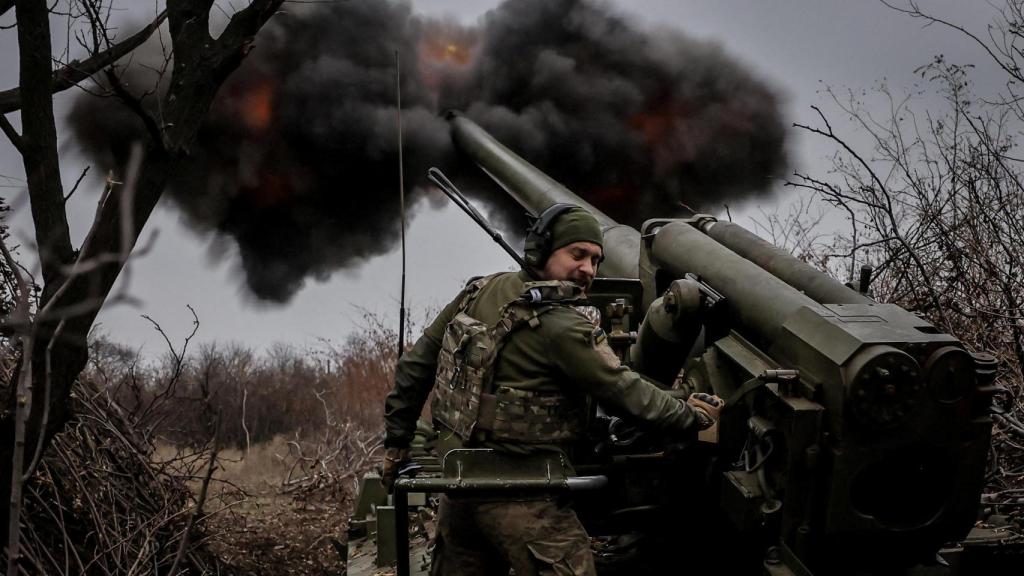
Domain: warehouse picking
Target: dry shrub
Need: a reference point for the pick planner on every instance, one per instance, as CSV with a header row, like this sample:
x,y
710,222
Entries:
x,y
105,500
263,464
285,391
307,422
331,465
100,503
934,202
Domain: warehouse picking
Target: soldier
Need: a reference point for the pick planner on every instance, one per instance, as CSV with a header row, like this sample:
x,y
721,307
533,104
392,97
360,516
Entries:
x,y
519,388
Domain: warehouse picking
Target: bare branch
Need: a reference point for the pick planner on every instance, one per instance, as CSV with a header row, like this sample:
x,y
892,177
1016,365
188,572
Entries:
x,y
74,72
915,11
77,182
11,134
47,383
23,407
197,510
886,205
135,105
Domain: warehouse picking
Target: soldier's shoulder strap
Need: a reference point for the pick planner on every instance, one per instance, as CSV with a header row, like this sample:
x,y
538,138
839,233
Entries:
x,y
536,299
553,292
473,288
562,294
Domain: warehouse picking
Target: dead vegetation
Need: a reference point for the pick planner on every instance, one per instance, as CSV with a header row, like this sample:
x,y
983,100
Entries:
x,y
99,503
55,307
284,391
218,461
231,461
933,203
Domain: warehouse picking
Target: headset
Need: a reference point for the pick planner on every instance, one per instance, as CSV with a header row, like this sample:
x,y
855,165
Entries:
x,y
537,247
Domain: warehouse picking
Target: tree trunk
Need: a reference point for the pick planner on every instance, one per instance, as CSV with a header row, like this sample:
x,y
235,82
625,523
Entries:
x,y
201,64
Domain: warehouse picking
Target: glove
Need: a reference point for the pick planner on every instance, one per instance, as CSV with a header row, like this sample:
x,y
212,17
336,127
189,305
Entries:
x,y
708,408
393,458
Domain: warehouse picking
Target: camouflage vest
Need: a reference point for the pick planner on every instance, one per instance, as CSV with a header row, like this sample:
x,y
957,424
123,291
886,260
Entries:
x,y
464,396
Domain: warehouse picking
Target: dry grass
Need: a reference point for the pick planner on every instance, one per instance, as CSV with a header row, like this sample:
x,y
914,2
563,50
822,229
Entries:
x,y
291,432
264,463
292,516
284,513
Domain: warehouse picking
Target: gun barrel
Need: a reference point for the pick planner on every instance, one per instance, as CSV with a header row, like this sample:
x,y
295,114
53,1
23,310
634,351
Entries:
x,y
761,301
819,286
763,282
535,191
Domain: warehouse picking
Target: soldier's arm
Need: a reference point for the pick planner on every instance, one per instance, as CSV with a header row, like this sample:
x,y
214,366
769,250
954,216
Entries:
x,y
414,378
582,353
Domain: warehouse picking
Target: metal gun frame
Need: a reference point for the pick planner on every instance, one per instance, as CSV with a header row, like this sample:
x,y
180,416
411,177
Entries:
x,y
851,426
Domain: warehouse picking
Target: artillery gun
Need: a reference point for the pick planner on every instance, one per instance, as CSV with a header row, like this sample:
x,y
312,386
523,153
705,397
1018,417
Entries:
x,y
854,439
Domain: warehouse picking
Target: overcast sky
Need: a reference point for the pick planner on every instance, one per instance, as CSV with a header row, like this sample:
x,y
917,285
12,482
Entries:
x,y
797,46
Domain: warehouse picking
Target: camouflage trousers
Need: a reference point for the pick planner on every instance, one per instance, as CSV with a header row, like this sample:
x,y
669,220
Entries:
x,y
486,537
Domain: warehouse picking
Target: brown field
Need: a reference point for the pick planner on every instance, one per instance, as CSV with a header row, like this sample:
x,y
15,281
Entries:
x,y
288,432
272,528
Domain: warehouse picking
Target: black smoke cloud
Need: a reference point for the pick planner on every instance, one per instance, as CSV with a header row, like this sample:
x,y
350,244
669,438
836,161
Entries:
x,y
297,162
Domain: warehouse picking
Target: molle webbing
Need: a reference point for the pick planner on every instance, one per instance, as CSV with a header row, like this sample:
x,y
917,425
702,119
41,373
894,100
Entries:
x,y
461,370
462,366
530,416
464,397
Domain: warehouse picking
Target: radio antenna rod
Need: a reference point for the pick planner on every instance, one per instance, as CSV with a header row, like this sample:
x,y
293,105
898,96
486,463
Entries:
x,y
401,196
446,186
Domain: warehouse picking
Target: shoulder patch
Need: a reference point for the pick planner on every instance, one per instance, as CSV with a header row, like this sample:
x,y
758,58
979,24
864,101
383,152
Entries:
x,y
599,341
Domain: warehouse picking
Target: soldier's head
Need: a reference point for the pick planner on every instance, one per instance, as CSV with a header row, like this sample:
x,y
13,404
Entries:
x,y
565,243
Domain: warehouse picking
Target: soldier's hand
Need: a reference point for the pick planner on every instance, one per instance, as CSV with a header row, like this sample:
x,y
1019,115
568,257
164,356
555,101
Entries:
x,y
708,407
393,458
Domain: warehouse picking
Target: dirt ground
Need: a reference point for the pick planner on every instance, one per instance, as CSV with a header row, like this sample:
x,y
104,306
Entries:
x,y
271,534
264,530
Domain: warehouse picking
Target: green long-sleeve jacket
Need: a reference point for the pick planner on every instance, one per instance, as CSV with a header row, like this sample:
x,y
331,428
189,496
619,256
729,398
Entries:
x,y
562,353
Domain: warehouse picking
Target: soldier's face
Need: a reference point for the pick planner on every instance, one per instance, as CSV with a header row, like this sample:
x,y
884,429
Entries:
x,y
576,262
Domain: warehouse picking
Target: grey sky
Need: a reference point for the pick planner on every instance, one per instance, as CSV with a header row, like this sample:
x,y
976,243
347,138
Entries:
x,y
798,46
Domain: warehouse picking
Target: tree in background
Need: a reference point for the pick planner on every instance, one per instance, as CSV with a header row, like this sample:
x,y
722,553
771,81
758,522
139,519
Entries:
x,y
50,331
936,206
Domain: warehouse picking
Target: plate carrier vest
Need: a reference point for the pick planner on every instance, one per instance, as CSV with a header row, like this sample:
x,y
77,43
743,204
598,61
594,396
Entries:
x,y
464,398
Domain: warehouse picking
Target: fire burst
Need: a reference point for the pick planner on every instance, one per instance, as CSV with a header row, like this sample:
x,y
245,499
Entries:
x,y
445,50
257,106
438,51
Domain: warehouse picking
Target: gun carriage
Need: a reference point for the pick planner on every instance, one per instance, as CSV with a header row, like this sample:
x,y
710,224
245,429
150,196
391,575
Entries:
x,y
855,435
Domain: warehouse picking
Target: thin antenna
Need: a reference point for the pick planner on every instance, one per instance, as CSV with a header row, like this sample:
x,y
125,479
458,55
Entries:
x,y
401,196
460,200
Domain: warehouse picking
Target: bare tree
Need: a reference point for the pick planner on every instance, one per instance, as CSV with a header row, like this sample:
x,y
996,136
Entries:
x,y
936,201
936,204
75,282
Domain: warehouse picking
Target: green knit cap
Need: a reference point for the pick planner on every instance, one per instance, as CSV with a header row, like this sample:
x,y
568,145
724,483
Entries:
x,y
575,225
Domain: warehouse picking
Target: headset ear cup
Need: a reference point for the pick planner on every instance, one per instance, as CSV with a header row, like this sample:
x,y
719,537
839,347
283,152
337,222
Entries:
x,y
537,246
533,250
529,257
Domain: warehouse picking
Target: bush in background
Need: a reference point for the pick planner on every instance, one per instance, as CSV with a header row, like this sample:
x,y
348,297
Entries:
x,y
285,391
